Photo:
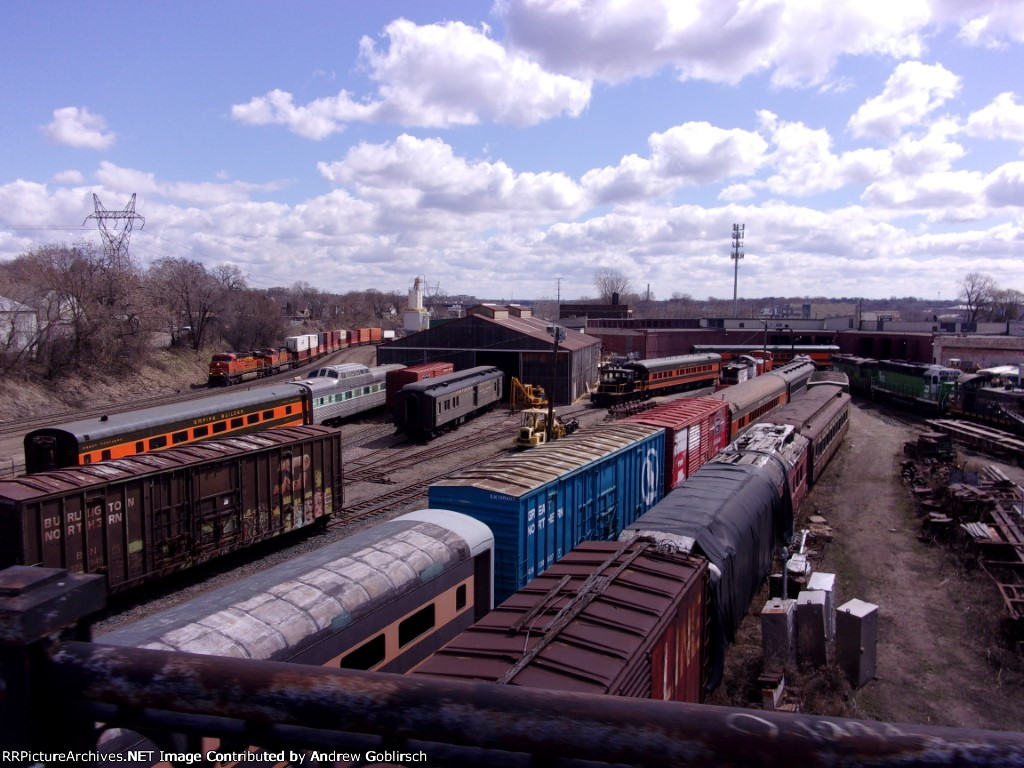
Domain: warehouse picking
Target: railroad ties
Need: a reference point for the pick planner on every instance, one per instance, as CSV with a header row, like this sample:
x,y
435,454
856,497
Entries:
x,y
995,442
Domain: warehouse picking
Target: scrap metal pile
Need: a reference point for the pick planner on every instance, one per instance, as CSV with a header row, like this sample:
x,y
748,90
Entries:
x,y
980,515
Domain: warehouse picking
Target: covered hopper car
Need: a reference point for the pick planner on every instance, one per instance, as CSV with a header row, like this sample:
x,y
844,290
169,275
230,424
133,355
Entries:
x,y
140,518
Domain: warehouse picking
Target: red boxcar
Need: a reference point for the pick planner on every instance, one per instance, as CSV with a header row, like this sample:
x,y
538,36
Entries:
x,y
397,379
142,517
641,631
696,429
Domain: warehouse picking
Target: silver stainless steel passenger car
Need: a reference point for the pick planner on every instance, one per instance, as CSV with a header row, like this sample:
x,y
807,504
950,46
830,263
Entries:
x,y
336,392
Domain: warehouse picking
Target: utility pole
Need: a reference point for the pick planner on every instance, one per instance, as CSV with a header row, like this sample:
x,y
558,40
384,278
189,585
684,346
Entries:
x,y
737,254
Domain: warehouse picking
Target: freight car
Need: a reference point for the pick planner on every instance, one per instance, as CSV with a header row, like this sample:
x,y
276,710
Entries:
x,y
118,435
623,619
696,428
138,519
543,502
733,514
382,599
399,378
644,379
426,408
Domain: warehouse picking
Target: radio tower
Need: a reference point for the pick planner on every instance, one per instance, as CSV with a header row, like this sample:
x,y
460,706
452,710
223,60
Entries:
x,y
116,241
737,254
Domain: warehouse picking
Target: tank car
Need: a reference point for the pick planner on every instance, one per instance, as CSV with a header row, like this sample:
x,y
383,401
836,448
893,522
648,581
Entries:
x,y
644,379
140,518
382,599
426,408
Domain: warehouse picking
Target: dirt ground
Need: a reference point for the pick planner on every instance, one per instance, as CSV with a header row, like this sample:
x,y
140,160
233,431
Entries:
x,y
943,657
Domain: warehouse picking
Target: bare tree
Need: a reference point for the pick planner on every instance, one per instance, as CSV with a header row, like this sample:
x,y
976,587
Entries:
x,y
609,283
256,322
976,293
193,298
1007,305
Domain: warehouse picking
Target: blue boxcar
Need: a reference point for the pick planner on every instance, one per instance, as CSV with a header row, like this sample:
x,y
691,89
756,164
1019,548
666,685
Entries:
x,y
543,502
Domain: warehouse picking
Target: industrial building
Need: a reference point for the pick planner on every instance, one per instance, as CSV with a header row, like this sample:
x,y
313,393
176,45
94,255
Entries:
x,y
510,338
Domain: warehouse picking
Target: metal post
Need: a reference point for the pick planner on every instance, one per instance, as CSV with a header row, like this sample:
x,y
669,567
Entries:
x,y
557,334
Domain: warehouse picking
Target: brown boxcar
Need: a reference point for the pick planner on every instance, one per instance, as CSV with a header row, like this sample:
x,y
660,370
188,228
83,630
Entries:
x,y
399,378
696,429
618,618
142,517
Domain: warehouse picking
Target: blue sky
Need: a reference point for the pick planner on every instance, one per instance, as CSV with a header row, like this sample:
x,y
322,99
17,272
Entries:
x,y
513,150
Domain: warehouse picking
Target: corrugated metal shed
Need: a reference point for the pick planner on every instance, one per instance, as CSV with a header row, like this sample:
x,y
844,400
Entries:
x,y
609,618
510,339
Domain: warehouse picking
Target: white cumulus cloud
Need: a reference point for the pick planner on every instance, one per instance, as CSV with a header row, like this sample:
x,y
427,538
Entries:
x,y
912,92
78,127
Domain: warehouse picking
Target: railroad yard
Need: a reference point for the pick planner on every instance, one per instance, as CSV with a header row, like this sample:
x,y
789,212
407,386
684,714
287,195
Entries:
x,y
942,656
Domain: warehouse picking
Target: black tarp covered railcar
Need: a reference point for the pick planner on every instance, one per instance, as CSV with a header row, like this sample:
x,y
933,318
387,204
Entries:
x,y
735,515
142,517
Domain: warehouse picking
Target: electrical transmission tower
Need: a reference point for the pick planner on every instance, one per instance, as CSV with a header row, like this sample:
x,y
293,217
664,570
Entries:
x,y
116,240
737,254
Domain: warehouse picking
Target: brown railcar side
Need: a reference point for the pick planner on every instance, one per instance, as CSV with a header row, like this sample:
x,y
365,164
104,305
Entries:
x,y
140,518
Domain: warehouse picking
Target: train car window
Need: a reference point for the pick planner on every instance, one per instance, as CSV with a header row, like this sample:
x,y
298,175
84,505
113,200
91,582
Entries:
x,y
179,437
236,423
105,455
415,625
252,418
268,415
200,432
220,426
88,459
139,447
287,409
460,597
158,442
366,656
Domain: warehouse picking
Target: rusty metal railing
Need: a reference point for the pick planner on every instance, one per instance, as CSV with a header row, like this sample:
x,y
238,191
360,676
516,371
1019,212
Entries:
x,y
57,689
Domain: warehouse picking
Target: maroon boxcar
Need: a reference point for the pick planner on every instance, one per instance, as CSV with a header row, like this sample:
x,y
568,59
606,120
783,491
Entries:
x,y
696,429
142,517
399,378
617,618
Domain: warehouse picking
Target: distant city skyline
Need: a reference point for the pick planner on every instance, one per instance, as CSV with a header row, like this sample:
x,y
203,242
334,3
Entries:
x,y
869,149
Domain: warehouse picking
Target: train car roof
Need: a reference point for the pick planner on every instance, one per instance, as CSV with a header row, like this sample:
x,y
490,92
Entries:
x,y
57,481
660,363
450,380
585,635
292,606
749,393
804,409
730,514
98,427
517,474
